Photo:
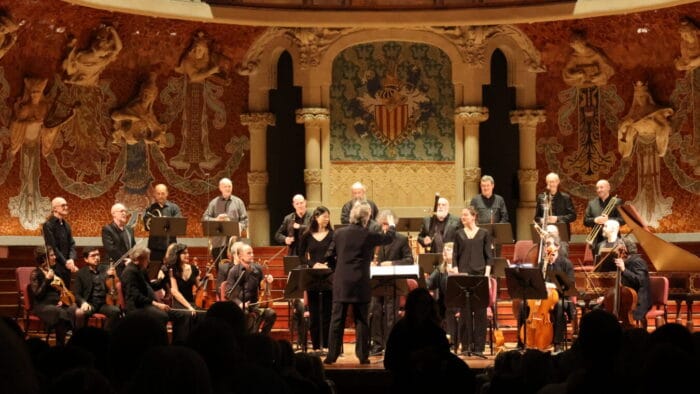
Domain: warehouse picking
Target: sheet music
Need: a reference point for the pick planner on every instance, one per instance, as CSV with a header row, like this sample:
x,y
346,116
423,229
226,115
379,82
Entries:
x,y
405,271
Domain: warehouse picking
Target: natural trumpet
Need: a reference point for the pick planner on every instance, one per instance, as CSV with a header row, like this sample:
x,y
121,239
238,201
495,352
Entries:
x,y
596,229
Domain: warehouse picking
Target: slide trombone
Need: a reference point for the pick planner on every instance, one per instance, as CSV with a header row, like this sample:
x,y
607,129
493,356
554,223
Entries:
x,y
590,239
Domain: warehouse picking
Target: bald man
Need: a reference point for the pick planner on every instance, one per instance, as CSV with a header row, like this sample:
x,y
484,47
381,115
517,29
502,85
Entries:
x,y
293,226
161,207
359,194
117,238
58,235
594,211
561,208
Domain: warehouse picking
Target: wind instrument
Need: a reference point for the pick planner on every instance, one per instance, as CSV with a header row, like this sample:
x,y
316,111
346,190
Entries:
x,y
591,237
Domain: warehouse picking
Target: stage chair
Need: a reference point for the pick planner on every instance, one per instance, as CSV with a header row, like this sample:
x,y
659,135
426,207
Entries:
x,y
31,321
521,250
658,292
222,291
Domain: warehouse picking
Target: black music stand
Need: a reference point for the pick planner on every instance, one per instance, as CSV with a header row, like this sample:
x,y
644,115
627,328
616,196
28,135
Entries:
x,y
526,284
168,227
409,224
468,292
220,228
427,263
501,233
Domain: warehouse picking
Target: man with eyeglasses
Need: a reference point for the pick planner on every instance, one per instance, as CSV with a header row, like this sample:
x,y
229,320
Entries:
x,y
558,315
90,289
58,235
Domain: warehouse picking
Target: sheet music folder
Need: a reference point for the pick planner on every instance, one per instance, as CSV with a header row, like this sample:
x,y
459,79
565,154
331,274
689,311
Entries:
x,y
394,271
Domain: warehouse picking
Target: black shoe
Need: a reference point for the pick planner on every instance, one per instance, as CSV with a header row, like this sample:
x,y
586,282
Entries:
x,y
364,361
376,350
328,361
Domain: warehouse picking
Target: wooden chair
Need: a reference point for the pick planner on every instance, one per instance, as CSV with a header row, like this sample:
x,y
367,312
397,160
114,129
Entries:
x,y
31,322
492,310
658,294
521,250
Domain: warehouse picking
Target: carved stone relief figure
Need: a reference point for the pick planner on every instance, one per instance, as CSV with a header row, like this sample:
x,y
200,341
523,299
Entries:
x,y
8,35
645,130
199,66
587,66
136,121
84,67
690,46
31,136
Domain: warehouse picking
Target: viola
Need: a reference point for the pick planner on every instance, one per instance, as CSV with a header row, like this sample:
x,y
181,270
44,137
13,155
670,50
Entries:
x,y
66,296
265,298
206,293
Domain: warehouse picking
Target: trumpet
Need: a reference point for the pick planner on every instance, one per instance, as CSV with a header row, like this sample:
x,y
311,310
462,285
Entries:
x,y
590,239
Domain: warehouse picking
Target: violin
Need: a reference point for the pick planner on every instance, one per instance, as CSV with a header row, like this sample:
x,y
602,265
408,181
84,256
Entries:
x,y
621,300
265,298
111,283
206,293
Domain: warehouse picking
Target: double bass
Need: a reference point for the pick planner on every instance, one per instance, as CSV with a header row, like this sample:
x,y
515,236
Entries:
x,y
538,331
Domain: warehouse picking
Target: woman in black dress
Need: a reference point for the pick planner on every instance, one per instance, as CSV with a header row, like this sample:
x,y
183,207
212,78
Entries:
x,y
183,277
314,245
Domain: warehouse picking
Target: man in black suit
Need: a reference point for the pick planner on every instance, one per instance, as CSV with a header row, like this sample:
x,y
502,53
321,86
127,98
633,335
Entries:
x,y
294,225
140,297
117,238
383,309
359,194
559,205
161,207
58,235
90,288
439,228
354,246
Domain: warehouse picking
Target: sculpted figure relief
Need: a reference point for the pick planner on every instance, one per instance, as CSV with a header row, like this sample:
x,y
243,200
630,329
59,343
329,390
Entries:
x,y
198,64
587,66
690,46
645,122
8,35
84,67
136,121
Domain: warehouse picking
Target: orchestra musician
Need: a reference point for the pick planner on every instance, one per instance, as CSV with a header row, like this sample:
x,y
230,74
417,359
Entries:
x,y
140,296
490,207
90,288
553,230
436,282
225,265
225,207
359,194
58,235
564,307
47,289
117,237
384,309
472,255
438,228
354,246
293,226
182,276
242,287
596,214
161,207
313,253
561,209
634,270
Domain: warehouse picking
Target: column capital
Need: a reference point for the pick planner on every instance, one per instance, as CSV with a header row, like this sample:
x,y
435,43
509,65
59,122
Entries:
x,y
472,174
527,175
257,178
312,176
528,117
312,116
471,114
261,119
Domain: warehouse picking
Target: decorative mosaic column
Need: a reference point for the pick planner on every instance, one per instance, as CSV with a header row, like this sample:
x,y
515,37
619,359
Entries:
x,y
467,119
527,121
314,121
258,213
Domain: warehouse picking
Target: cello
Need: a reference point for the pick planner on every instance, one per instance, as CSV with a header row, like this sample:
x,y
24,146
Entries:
x,y
206,293
621,300
538,331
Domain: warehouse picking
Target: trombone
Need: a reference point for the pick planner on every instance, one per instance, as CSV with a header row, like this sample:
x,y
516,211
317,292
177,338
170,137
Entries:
x,y
596,229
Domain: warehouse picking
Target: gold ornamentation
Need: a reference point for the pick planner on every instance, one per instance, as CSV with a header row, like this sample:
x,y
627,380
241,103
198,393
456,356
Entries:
x,y
257,178
528,117
312,176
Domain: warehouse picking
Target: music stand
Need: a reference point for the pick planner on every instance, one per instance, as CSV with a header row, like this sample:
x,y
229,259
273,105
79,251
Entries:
x,y
409,224
219,228
563,232
469,292
427,263
290,263
167,227
526,284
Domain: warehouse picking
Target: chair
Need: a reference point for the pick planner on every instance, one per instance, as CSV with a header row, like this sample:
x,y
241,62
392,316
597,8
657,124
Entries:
x,y
521,250
492,310
658,294
24,304
222,291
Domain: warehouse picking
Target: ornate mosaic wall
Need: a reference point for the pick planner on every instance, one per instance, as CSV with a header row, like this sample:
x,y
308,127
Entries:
x,y
392,101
